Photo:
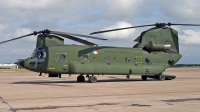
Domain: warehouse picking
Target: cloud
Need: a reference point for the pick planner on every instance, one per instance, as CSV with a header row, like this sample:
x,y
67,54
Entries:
x,y
122,34
180,9
190,37
125,9
177,28
2,27
19,51
24,31
29,4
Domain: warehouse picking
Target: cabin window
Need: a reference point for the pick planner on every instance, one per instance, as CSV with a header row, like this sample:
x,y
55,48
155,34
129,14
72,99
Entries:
x,y
107,58
127,59
147,59
62,57
40,62
85,57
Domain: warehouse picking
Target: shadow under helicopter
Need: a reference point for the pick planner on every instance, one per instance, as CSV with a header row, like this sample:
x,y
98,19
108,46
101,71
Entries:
x,y
55,83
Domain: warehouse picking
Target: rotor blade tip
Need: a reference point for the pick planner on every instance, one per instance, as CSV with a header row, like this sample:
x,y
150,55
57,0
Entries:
x,y
91,33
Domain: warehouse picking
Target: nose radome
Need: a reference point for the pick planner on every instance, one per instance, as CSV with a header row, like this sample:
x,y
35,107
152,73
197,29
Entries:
x,y
21,63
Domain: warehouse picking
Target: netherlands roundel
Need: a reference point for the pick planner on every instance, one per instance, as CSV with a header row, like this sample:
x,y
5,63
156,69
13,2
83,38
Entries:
x,y
95,51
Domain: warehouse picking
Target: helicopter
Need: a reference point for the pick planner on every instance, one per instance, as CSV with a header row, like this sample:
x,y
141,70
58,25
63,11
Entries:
x,y
156,49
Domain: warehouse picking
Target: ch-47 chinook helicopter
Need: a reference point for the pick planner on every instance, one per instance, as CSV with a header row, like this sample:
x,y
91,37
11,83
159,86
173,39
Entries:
x,y
156,50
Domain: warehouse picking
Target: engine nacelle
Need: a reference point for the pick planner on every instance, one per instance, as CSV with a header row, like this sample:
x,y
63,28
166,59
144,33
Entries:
x,y
157,47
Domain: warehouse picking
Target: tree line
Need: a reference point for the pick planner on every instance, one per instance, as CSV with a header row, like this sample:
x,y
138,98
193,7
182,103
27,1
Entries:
x,y
185,65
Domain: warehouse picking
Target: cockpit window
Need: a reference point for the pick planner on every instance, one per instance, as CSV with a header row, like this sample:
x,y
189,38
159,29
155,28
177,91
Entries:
x,y
39,54
33,54
42,54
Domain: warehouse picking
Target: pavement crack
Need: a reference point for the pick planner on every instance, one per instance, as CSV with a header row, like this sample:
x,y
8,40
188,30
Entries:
x,y
3,101
55,107
140,105
169,103
181,100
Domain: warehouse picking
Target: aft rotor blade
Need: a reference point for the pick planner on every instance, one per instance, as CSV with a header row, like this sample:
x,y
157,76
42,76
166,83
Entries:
x,y
120,29
72,34
184,24
18,38
72,38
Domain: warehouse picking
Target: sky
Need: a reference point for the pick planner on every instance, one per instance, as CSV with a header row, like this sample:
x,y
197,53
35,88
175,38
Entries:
x,y
21,17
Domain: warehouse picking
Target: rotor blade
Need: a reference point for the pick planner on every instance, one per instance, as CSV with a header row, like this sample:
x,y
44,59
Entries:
x,y
120,29
87,36
72,38
18,38
72,34
169,24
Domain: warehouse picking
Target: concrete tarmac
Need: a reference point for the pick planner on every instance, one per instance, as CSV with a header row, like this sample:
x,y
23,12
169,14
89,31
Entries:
x,y
28,92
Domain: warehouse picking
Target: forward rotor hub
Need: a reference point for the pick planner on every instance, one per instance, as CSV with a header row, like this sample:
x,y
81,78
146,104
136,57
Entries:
x,y
44,32
161,25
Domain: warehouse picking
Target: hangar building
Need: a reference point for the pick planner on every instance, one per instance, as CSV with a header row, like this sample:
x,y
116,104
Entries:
x,y
9,66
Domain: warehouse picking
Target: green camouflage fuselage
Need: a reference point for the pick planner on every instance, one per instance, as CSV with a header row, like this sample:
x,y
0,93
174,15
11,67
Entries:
x,y
101,60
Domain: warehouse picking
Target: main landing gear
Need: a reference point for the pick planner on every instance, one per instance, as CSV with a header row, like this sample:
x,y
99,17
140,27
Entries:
x,y
91,79
81,78
54,75
144,77
160,77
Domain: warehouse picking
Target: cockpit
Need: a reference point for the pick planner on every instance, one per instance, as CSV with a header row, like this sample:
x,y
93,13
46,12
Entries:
x,y
37,58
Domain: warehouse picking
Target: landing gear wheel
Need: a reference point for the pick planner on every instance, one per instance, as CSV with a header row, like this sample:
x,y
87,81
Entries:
x,y
161,77
80,78
144,77
59,75
128,76
92,79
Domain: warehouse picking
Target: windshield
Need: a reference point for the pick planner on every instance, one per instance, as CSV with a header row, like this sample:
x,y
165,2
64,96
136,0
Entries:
x,y
39,54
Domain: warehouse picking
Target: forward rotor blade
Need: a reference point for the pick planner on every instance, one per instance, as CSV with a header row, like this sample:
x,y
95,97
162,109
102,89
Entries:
x,y
72,34
72,38
120,29
18,38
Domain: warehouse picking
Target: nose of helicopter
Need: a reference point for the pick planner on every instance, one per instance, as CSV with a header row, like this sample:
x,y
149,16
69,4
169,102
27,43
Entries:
x,y
21,63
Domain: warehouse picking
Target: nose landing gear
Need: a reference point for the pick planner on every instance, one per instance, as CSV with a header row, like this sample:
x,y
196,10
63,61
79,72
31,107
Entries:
x,y
40,74
128,76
